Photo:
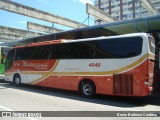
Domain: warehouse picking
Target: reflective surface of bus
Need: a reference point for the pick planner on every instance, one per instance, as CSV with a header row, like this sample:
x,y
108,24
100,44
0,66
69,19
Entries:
x,y
120,65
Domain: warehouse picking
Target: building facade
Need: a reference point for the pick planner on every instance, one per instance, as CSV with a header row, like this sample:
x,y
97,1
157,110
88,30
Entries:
x,y
156,4
124,9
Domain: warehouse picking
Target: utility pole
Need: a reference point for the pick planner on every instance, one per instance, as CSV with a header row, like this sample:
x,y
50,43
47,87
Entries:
x,y
140,9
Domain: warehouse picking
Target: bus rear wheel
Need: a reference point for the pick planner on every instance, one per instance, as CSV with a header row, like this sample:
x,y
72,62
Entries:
x,y
88,89
17,80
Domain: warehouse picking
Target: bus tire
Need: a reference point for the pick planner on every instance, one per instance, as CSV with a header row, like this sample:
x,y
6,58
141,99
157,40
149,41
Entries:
x,y
17,80
87,88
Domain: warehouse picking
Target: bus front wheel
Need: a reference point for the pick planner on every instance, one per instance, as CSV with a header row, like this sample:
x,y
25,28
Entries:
x,y
17,80
87,89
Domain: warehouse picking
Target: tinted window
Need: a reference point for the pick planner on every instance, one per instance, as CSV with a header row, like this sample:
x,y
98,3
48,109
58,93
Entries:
x,y
99,49
81,50
33,53
21,53
118,48
60,51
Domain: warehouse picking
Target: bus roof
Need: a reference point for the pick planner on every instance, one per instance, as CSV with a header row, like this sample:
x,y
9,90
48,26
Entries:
x,y
110,37
78,40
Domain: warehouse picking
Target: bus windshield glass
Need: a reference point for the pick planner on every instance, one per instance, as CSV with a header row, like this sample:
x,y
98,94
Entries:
x,y
10,58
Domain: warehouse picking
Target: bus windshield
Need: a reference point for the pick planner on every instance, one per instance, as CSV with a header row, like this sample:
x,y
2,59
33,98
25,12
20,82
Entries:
x,y
10,58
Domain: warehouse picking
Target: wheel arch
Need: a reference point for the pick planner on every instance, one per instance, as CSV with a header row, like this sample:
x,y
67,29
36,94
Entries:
x,y
15,74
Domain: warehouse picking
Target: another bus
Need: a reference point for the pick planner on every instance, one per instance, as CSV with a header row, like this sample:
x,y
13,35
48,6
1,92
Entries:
x,y
120,65
3,54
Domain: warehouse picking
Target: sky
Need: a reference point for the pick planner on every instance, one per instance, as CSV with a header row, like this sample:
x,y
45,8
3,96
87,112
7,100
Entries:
x,y
71,9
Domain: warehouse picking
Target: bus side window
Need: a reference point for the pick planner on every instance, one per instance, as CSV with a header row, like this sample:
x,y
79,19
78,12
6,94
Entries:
x,y
49,55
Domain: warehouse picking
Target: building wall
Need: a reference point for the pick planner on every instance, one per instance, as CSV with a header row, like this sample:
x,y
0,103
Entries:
x,y
123,9
156,3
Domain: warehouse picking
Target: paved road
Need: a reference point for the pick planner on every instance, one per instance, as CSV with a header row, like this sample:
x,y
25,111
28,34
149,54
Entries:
x,y
32,98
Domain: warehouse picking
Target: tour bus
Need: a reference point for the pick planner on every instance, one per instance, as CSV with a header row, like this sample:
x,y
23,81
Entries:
x,y
3,54
121,65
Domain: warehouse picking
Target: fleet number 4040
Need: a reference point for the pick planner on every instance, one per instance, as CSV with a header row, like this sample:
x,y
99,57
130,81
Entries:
x,y
94,65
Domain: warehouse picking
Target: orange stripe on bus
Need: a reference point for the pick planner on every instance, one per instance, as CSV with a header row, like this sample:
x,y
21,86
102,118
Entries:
x,y
51,71
93,73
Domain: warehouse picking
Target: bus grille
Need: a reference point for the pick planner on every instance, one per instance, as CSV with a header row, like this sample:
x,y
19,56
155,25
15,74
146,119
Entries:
x,y
123,84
